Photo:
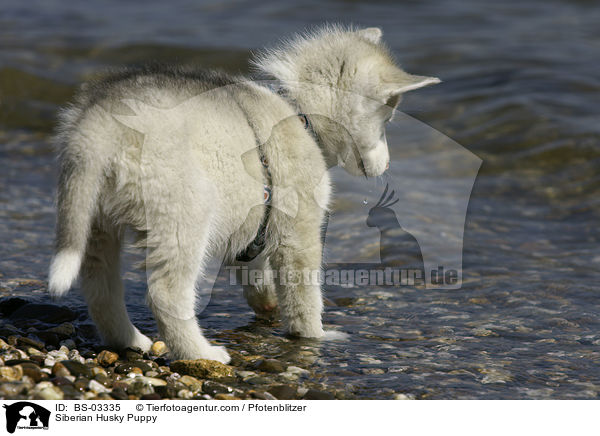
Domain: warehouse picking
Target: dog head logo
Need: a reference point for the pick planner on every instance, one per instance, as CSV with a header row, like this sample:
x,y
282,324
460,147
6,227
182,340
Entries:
x,y
26,415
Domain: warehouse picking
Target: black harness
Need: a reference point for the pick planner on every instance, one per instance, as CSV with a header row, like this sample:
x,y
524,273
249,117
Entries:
x,y
258,243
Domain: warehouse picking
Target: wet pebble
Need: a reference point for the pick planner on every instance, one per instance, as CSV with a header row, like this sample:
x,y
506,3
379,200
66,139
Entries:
x,y
46,313
314,394
270,365
283,392
212,388
77,368
107,358
158,348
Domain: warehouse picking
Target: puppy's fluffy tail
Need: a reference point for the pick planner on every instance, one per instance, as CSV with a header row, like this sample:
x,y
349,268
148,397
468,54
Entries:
x,y
78,190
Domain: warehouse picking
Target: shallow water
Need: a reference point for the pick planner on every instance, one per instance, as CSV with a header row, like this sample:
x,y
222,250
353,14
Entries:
x,y
520,92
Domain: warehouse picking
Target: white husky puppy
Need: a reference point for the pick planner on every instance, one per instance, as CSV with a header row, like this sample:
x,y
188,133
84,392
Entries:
x,y
190,196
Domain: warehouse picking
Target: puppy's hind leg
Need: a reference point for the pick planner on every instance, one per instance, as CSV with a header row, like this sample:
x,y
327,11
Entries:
x,y
103,289
176,259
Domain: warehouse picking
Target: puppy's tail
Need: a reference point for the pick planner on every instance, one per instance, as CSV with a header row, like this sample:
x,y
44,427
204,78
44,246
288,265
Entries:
x,y
78,191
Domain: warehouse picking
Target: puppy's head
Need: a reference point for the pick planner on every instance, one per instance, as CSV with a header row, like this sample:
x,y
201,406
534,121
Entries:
x,y
348,84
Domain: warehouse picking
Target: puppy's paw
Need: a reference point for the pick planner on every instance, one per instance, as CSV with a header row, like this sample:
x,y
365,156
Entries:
x,y
217,353
306,330
141,341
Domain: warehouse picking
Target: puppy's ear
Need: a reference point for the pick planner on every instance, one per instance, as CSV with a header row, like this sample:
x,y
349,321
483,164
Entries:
x,y
404,82
371,34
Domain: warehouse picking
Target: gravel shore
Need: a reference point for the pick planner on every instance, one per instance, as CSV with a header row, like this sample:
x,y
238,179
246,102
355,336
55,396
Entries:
x,y
46,353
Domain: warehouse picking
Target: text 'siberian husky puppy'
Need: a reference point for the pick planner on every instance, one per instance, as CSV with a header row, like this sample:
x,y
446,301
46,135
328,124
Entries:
x,y
202,164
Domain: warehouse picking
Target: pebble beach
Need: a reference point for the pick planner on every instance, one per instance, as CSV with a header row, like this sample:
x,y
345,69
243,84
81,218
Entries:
x,y
46,355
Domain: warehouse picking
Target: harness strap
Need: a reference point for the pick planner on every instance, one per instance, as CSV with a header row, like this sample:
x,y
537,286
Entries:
x,y
258,243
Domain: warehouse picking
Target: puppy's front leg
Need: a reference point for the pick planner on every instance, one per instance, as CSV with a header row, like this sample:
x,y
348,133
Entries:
x,y
297,262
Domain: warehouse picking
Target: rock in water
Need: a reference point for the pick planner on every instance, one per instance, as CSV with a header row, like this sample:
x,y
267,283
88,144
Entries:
x,y
202,368
270,365
314,394
48,313
283,392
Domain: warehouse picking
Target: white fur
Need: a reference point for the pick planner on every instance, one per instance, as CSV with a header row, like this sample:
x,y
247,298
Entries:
x,y
64,270
173,155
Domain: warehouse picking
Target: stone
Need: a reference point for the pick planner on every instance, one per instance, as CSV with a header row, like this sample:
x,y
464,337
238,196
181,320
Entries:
x,y
10,304
153,381
144,366
226,397
262,395
139,387
64,331
372,371
153,396
131,355
38,359
314,394
158,348
166,391
124,368
345,301
11,389
78,368
81,384
60,370
192,383
89,354
49,338
61,381
297,370
185,394
30,342
270,365
70,393
33,371
11,373
107,358
257,380
404,397
202,368
98,370
283,392
68,343
47,391
49,361
97,387
212,388
47,313
13,362
103,379
119,394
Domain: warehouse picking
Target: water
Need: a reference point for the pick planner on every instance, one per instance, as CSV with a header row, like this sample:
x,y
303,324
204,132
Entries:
x,y
520,92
